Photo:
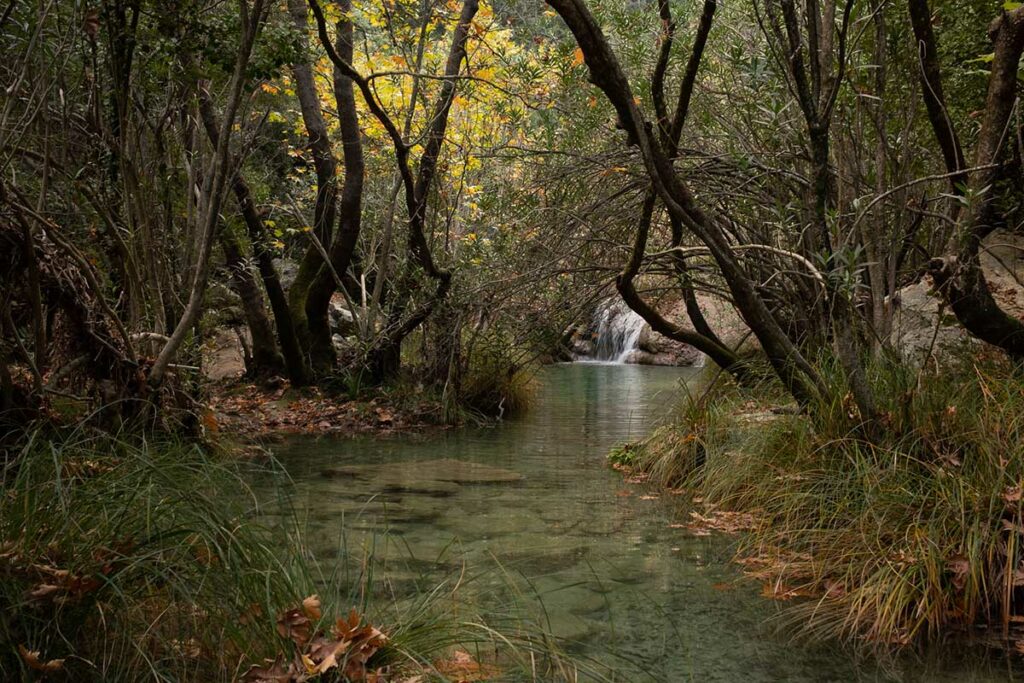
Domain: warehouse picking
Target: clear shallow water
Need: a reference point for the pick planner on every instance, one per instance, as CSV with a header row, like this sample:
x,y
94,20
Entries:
x,y
610,572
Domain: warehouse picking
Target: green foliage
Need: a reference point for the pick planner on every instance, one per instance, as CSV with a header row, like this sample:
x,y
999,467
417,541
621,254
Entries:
x,y
624,456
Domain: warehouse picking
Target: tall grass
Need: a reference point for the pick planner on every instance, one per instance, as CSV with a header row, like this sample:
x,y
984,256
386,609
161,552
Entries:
x,y
138,559
898,539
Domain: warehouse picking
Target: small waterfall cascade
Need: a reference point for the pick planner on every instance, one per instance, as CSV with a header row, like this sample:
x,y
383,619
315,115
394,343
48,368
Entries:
x,y
618,330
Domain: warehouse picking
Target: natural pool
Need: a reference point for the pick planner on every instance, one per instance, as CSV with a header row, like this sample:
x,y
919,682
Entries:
x,y
610,572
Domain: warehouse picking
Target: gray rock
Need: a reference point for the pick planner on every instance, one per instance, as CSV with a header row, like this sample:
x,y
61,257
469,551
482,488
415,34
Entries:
x,y
342,320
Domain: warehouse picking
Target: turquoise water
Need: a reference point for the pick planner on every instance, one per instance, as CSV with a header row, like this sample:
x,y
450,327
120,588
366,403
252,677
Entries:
x,y
616,582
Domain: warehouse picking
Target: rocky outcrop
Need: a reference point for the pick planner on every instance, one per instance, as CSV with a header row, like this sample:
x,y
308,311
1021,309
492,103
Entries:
x,y
722,318
922,325
224,356
656,349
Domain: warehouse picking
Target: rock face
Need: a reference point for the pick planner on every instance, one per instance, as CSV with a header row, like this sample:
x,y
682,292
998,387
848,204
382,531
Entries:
x,y
651,348
617,334
916,324
223,356
656,349
723,318
916,314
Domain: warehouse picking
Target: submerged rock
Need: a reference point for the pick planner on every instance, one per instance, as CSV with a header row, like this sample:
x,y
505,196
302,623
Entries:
x,y
429,477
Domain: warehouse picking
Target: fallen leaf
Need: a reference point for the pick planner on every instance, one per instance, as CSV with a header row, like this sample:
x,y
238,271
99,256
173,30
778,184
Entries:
x,y
270,672
294,625
35,661
463,668
311,606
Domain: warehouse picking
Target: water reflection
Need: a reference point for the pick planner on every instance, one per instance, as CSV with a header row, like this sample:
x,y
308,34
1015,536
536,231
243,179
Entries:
x,y
611,572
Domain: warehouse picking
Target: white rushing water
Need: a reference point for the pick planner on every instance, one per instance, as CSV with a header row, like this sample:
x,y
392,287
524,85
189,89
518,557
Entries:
x,y
618,332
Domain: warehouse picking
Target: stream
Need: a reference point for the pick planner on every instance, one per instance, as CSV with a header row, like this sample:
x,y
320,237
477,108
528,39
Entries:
x,y
533,499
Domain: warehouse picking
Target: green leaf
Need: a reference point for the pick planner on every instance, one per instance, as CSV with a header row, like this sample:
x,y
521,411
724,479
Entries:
x,y
1010,6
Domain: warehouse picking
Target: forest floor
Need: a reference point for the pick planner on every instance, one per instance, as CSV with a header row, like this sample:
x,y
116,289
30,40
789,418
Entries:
x,y
254,411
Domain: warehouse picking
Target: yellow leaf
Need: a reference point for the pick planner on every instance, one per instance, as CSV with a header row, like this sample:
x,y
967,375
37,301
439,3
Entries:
x,y
577,57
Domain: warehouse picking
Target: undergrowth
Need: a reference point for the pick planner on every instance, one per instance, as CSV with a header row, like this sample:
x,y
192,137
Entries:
x,y
894,540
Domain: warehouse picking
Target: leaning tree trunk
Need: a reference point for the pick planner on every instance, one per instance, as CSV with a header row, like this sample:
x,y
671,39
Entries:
x,y
294,359
606,73
959,276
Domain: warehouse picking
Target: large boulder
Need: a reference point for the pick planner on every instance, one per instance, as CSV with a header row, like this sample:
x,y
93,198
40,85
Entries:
x,y
656,349
923,325
223,357
342,320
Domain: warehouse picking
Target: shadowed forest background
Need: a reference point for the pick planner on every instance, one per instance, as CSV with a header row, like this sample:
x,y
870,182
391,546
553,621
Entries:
x,y
221,222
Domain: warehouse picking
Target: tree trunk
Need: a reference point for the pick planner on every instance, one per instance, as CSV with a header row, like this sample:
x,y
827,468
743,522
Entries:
x,y
294,359
350,205
314,334
212,195
265,357
960,277
792,368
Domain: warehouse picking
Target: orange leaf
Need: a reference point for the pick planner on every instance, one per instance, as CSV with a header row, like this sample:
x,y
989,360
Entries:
x,y
35,662
311,606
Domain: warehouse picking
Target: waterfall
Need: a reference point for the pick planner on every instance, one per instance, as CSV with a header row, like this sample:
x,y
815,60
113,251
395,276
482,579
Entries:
x,y
618,330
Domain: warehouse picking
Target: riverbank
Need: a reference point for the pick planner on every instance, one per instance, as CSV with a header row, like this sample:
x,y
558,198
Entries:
x,y
899,540
253,412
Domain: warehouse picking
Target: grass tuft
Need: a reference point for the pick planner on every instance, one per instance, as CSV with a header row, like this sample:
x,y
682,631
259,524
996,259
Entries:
x,y
896,540
127,557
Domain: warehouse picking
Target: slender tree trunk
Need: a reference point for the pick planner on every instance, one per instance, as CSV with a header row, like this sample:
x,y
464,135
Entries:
x,y
320,351
214,185
265,357
294,359
350,204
